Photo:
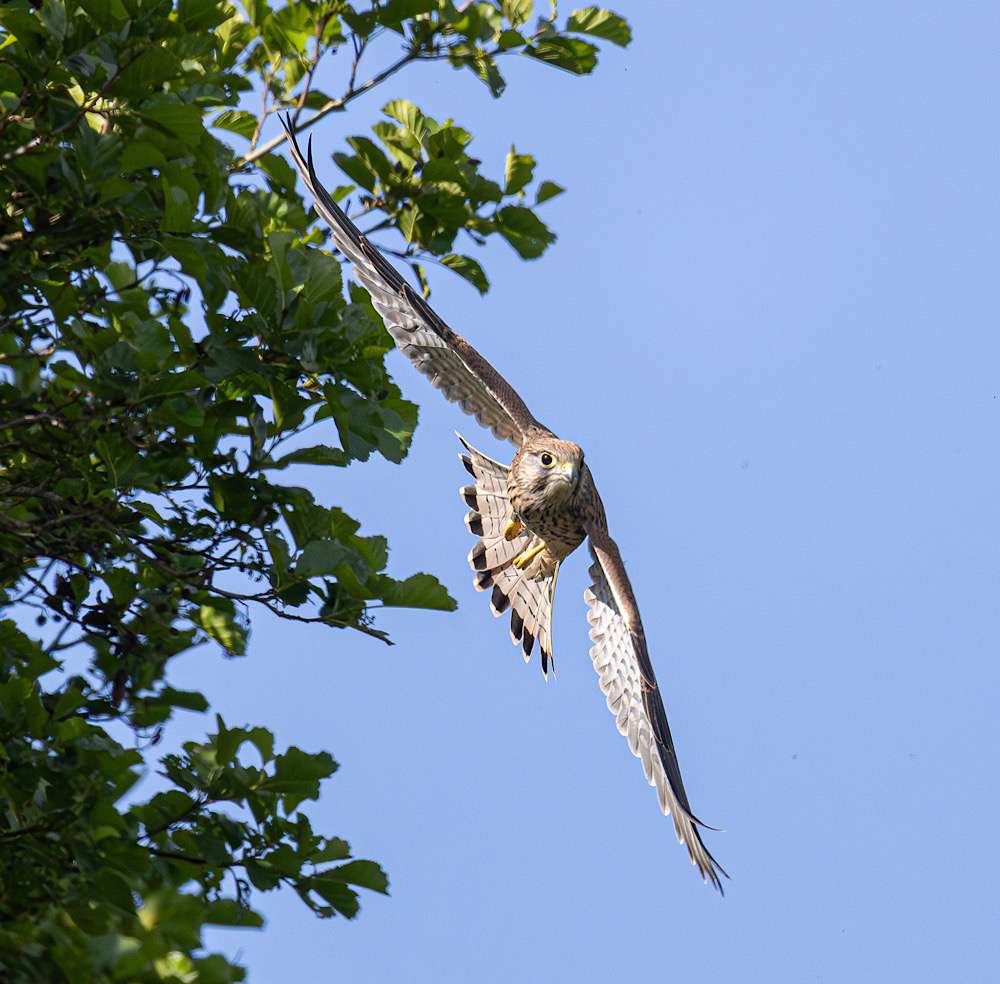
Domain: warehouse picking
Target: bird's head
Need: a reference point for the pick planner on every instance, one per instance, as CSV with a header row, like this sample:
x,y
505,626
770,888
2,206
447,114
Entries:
x,y
550,467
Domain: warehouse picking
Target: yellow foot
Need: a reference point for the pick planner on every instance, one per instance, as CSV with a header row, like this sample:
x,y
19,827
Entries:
x,y
513,529
522,560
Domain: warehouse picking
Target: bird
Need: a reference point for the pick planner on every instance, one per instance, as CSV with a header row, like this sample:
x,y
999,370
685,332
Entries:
x,y
528,517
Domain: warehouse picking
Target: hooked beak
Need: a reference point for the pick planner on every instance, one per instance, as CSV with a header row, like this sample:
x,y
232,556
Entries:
x,y
567,472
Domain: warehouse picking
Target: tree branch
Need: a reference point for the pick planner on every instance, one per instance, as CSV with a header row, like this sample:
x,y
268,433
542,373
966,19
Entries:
x,y
332,106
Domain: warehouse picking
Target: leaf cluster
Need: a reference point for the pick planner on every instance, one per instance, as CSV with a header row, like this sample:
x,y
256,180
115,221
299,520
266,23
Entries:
x,y
131,888
421,176
175,347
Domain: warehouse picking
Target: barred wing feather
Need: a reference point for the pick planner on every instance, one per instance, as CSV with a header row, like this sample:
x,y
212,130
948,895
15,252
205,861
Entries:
x,y
626,676
448,360
492,558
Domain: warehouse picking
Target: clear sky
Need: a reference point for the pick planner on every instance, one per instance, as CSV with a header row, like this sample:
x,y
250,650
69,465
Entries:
x,y
771,319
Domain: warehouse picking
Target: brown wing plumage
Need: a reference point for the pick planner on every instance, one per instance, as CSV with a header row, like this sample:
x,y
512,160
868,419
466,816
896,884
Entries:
x,y
619,652
621,659
441,354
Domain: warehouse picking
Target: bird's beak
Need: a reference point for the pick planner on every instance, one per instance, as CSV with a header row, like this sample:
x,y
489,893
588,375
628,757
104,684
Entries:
x,y
567,471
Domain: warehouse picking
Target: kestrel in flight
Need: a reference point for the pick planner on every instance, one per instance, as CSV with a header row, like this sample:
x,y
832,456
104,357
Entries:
x,y
528,517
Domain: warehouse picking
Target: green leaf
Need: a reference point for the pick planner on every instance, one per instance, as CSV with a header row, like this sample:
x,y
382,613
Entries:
x,y
178,118
263,740
232,496
20,23
547,190
53,16
217,616
122,583
140,154
289,405
200,15
110,886
364,874
69,700
571,54
320,454
403,111
228,912
524,231
417,591
353,167
191,700
601,24
518,172
289,30
317,99
336,892
371,157
510,39
178,209
394,12
297,775
321,557
407,222
517,12
469,269
164,809
333,849
279,171
236,121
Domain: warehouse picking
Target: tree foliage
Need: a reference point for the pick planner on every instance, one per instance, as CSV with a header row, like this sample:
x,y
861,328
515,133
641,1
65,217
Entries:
x,y
170,330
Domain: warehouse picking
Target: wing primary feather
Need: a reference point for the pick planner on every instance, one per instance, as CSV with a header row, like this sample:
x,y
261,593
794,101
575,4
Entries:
x,y
625,671
439,352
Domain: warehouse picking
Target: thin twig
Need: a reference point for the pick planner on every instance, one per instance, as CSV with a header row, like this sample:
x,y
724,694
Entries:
x,y
332,106
264,110
317,55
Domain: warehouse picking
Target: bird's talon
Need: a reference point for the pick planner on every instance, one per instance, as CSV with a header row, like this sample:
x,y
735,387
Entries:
x,y
522,560
512,529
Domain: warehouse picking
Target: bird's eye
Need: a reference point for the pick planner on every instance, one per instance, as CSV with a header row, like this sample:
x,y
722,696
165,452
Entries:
x,y
546,459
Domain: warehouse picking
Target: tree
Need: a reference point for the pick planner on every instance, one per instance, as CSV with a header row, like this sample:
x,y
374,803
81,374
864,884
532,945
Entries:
x,y
170,330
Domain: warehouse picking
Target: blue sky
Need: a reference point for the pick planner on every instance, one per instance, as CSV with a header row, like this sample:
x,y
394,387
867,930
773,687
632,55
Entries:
x,y
771,321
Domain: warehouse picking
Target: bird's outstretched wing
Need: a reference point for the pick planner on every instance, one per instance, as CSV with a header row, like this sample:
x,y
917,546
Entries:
x,y
440,353
622,661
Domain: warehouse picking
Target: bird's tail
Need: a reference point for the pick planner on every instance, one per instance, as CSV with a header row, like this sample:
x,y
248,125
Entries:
x,y
529,595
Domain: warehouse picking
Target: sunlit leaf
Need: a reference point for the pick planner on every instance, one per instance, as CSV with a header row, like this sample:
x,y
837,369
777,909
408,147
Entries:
x,y
600,23
236,121
517,11
217,617
518,171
